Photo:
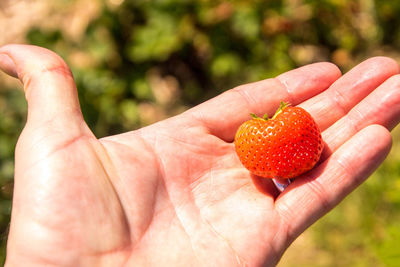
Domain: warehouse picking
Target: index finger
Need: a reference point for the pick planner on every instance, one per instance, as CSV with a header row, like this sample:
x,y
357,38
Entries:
x,y
222,115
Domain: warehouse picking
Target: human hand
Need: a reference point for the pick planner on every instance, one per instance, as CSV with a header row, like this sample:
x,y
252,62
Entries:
x,y
174,193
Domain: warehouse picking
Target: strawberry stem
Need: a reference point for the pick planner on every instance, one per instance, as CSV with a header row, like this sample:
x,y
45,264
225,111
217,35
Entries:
x,y
254,116
282,106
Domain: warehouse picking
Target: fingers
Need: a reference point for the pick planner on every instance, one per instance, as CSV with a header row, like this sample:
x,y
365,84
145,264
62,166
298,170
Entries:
x,y
48,83
311,196
223,114
355,145
346,92
381,107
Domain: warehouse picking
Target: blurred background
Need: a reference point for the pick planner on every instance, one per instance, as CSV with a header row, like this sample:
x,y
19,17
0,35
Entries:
x,y
138,61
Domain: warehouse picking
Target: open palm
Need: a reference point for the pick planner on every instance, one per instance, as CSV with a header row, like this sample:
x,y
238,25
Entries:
x,y
174,193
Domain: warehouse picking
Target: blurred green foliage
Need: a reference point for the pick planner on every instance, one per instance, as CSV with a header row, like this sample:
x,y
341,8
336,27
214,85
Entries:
x,y
139,61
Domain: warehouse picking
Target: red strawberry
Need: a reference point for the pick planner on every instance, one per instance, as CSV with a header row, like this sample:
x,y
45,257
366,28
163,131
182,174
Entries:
x,y
284,146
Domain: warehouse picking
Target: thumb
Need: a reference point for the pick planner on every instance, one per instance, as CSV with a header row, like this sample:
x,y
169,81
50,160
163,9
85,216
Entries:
x,y
54,114
48,83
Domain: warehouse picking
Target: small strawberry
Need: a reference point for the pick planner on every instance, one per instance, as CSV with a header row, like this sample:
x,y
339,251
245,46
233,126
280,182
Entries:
x,y
284,146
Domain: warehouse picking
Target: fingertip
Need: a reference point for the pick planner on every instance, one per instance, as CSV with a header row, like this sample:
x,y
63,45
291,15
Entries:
x,y
7,65
389,64
328,67
7,62
318,76
324,71
380,66
29,59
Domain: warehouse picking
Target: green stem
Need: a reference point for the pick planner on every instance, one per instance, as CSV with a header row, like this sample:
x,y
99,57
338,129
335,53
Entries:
x,y
282,106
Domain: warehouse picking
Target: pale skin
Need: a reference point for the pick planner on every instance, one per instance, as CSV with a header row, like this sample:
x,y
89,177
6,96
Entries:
x,y
174,193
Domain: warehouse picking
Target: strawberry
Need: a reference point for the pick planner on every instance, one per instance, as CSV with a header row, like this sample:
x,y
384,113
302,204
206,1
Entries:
x,y
284,146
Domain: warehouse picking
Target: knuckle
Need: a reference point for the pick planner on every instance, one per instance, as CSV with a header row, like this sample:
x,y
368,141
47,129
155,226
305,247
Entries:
x,y
320,193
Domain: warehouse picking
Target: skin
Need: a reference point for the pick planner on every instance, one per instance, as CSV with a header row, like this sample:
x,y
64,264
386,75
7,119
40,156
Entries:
x,y
174,193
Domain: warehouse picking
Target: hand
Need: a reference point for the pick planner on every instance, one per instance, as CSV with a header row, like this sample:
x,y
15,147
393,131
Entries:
x,y
174,193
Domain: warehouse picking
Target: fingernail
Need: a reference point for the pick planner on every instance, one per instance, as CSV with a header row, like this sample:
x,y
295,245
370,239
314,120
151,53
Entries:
x,y
8,66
